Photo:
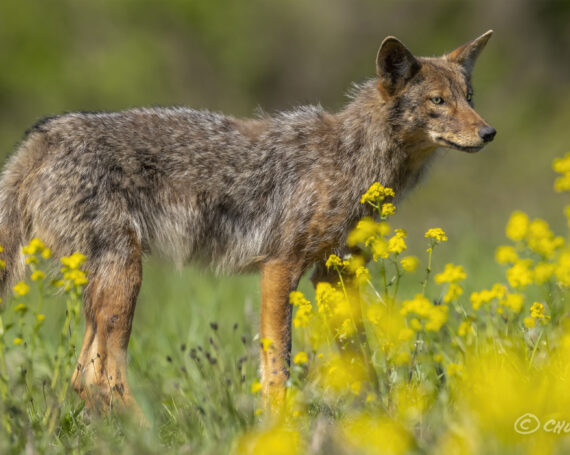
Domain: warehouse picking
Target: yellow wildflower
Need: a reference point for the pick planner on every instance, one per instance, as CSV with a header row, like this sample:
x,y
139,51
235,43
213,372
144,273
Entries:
x,y
74,261
328,298
453,293
562,270
543,271
40,318
2,264
255,387
436,318
438,358
397,244
366,230
266,343
434,315
380,248
451,274
37,275
362,275
464,328
562,165
35,246
353,262
300,357
376,193
341,372
513,301
21,288
437,234
506,254
541,239
562,184
346,329
537,312
409,263
416,324
520,275
18,341
77,277
388,209
297,298
517,226
303,316
46,253
529,322
333,261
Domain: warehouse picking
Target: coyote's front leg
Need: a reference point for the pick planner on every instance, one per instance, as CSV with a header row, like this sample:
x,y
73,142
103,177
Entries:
x,y
278,279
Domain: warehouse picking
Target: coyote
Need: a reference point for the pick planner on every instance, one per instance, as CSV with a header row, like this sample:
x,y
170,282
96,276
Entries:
x,y
278,194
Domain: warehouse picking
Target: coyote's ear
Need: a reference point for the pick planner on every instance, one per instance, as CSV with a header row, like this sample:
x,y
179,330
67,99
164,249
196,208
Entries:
x,y
468,53
395,65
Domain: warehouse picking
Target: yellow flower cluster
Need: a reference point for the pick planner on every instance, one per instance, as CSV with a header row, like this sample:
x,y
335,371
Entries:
x,y
366,230
36,246
266,344
335,307
506,254
537,312
376,193
300,358
304,309
342,372
409,263
520,274
562,166
437,234
498,291
334,261
536,233
21,289
433,316
387,209
72,275
396,243
451,274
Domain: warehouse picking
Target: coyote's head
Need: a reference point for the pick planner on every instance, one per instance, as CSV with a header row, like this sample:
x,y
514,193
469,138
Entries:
x,y
431,98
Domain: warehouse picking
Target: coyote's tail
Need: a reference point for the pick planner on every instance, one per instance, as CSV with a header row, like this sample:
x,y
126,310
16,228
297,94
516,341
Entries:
x,y
12,265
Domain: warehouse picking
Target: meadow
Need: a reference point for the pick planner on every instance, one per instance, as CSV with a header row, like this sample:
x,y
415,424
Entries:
x,y
424,379
403,355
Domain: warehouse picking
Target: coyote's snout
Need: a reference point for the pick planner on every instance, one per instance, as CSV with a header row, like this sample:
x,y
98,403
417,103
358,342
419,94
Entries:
x,y
278,194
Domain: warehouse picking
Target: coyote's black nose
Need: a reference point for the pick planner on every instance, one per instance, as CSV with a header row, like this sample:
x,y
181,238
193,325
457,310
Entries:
x,y
487,133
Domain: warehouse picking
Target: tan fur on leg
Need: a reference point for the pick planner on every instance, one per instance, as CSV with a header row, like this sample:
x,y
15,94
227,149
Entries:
x,y
101,375
278,279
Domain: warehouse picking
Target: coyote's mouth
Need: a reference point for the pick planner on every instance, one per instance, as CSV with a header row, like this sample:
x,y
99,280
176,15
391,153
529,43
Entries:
x,y
463,148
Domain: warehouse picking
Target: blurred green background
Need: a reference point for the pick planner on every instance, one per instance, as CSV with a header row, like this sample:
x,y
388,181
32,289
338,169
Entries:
x,y
236,56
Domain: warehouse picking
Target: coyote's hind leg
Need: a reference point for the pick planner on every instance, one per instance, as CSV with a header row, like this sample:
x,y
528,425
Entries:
x,y
110,298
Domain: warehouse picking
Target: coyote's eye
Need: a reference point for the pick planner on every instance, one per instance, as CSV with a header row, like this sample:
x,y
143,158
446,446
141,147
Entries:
x,y
437,100
469,97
